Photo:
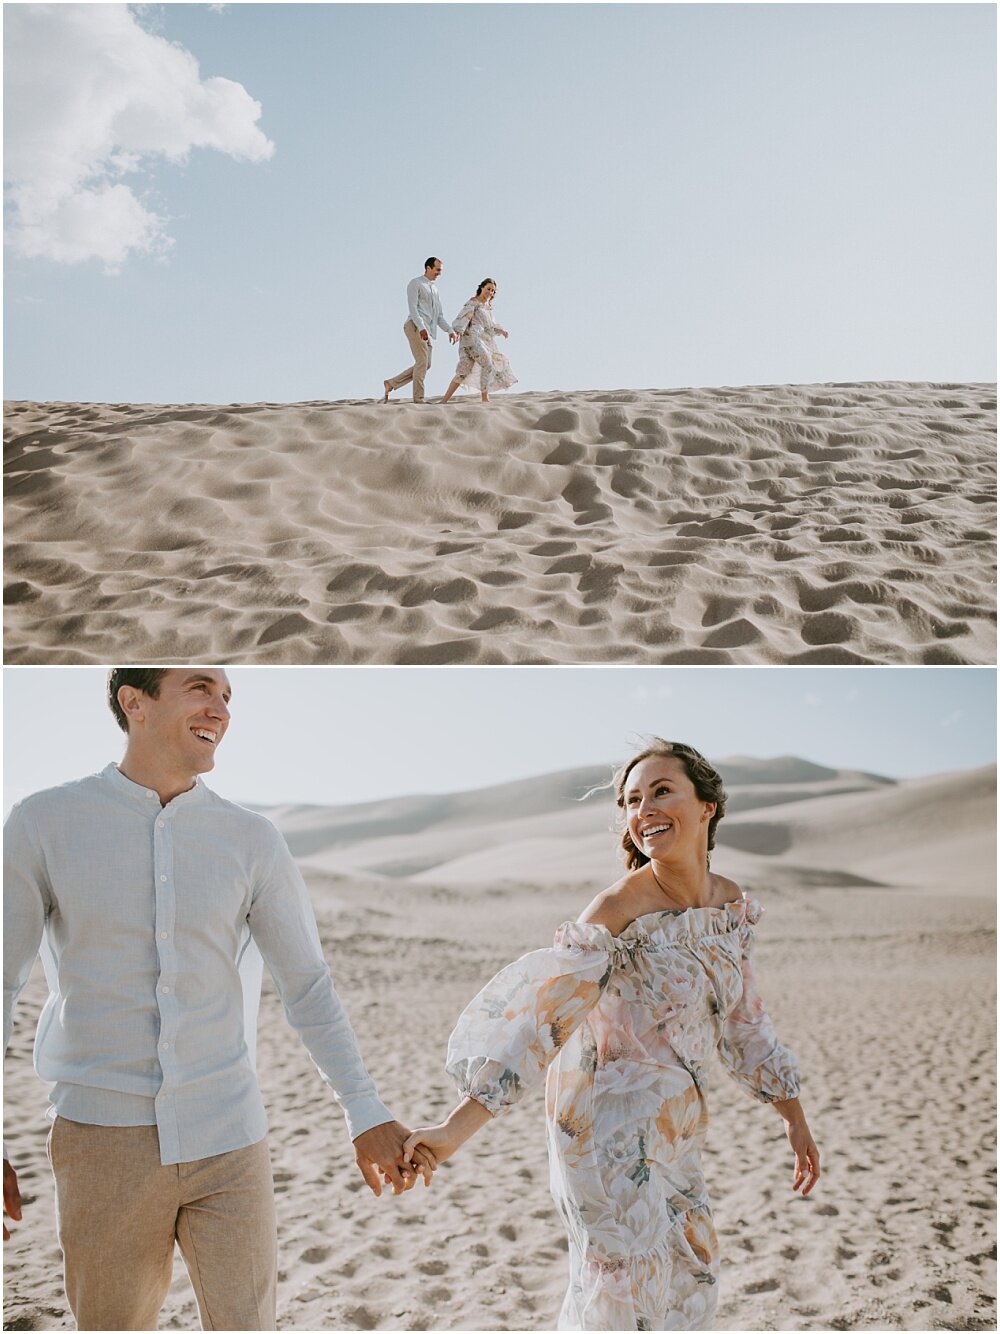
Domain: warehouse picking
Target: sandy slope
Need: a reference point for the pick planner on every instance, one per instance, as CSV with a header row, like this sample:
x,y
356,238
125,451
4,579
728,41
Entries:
x,y
824,523
888,995
789,823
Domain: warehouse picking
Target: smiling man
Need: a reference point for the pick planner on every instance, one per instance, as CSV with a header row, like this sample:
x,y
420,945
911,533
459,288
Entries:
x,y
149,890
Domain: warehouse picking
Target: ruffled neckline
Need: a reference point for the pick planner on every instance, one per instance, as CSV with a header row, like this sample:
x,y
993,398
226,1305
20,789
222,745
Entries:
x,y
666,925
686,923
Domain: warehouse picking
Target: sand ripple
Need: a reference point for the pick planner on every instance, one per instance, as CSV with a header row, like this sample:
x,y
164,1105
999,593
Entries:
x,y
802,524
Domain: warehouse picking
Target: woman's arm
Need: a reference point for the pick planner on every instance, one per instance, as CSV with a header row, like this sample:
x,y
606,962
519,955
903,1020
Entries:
x,y
446,1139
802,1142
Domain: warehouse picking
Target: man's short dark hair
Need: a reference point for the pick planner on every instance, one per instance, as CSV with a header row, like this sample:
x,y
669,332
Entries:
x,y
146,679
429,263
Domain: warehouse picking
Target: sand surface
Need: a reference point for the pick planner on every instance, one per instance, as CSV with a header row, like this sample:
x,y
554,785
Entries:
x,y
806,524
886,991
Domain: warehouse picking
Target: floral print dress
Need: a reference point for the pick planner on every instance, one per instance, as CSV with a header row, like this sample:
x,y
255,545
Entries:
x,y
481,364
627,1027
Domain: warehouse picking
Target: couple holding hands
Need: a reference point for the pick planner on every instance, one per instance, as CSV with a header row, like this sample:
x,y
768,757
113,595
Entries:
x,y
155,903
481,365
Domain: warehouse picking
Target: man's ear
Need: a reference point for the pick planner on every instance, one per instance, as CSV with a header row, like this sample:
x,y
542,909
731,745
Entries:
x,y
132,703
710,808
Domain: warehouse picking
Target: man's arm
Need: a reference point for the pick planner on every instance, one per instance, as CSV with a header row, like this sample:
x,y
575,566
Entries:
x,y
26,899
413,290
283,924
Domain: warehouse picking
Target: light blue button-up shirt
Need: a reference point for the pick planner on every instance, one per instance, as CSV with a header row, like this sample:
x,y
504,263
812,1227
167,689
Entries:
x,y
147,912
424,306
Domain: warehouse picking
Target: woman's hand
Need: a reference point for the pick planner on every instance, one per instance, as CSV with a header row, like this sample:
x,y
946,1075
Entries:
x,y
806,1155
439,1142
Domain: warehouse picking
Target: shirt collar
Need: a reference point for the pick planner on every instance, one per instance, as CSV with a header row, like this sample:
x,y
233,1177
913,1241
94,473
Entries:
x,y
146,798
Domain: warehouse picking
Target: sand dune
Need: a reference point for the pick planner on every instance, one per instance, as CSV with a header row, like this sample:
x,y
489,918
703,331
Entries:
x,y
814,524
887,994
831,827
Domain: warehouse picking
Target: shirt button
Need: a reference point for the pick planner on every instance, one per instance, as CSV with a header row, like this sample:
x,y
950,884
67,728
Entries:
x,y
165,990
163,877
164,1046
164,935
160,824
150,796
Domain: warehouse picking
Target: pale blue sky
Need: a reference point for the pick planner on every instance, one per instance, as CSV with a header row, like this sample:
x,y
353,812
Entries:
x,y
334,735
667,195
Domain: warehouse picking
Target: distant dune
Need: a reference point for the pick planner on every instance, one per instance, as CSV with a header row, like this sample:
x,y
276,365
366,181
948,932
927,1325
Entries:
x,y
849,523
830,827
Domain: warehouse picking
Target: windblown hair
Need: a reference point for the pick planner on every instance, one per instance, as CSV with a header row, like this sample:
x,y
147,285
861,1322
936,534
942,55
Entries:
x,y
707,782
146,679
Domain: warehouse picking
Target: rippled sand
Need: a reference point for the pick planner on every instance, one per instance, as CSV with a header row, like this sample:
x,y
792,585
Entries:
x,y
804,524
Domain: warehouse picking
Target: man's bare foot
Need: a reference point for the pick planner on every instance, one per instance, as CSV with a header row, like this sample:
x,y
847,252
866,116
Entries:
x,y
388,390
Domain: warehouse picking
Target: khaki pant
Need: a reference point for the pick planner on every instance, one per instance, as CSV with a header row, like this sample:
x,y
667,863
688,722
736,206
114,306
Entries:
x,y
119,1212
421,349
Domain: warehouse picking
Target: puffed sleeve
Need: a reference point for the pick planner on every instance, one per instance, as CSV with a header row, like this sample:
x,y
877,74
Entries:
x,y
506,1037
463,320
749,1047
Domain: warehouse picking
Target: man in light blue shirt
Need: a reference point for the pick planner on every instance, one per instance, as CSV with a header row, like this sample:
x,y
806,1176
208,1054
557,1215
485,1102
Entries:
x,y
149,890
422,323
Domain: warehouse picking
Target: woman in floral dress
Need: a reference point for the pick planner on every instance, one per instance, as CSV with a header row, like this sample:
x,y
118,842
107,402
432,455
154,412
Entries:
x,y
480,364
625,1012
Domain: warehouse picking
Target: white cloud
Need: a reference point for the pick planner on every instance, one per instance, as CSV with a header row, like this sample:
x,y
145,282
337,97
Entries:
x,y
91,96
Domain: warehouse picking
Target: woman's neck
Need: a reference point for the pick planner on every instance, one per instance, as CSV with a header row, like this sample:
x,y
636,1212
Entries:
x,y
683,885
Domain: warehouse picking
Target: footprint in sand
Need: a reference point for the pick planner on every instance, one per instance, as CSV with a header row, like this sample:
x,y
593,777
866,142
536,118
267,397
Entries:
x,y
361,1318
433,1268
315,1255
762,1285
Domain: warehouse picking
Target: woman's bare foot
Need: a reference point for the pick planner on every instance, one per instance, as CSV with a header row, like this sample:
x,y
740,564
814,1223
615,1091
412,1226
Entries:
x,y
388,390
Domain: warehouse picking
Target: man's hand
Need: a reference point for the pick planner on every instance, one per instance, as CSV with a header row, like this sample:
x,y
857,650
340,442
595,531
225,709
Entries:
x,y
12,1196
424,335
453,337
381,1150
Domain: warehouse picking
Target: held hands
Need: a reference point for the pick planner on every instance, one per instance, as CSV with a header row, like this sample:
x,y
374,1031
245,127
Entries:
x,y
380,1150
453,337
11,1197
440,1141
806,1156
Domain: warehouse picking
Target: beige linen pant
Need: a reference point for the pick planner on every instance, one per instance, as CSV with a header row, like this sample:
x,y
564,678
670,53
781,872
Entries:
x,y
421,349
119,1211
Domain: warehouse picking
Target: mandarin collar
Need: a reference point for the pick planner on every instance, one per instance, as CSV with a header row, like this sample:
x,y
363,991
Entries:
x,y
146,798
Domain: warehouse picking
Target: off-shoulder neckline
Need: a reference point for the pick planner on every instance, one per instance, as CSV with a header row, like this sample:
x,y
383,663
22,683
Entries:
x,y
680,913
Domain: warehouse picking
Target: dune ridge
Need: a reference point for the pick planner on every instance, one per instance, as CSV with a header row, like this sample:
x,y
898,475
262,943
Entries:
x,y
849,523
831,827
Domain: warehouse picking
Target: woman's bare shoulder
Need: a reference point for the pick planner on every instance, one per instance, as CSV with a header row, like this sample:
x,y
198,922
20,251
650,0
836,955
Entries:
x,y
726,889
614,907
